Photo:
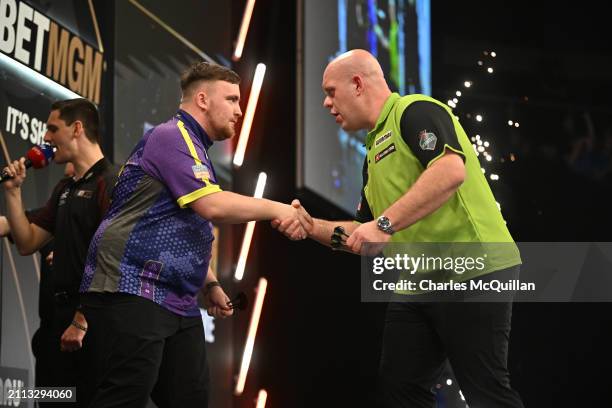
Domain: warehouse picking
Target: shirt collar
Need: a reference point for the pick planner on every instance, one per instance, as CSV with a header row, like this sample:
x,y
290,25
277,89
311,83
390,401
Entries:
x,y
384,113
94,170
195,127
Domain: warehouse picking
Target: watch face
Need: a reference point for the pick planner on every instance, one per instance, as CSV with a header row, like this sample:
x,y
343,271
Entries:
x,y
383,222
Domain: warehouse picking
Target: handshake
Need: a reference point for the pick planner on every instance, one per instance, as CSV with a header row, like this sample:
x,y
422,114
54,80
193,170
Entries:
x,y
358,238
295,223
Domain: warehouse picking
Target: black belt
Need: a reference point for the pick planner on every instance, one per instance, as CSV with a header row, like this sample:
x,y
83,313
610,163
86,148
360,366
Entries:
x,y
66,298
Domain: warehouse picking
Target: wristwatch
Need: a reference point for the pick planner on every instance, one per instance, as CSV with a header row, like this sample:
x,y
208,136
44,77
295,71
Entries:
x,y
384,225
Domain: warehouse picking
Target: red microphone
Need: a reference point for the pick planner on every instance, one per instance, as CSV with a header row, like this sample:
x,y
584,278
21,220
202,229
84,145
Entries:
x,y
37,157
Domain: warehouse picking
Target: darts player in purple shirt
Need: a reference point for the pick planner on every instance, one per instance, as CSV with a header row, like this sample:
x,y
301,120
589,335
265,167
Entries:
x,y
150,256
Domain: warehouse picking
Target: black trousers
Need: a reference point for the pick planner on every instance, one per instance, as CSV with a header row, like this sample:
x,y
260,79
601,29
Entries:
x,y
420,336
149,351
55,368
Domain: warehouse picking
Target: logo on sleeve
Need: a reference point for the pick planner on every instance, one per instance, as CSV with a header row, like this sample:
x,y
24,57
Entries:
x,y
84,193
384,153
201,172
63,197
382,139
427,140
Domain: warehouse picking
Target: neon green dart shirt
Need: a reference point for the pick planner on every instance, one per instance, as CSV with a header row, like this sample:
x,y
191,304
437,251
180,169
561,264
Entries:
x,y
471,215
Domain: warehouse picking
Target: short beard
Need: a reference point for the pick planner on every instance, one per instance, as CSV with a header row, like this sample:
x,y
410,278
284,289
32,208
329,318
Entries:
x,y
226,133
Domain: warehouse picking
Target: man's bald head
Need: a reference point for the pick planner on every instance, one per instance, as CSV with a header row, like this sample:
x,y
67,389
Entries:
x,y
357,62
355,89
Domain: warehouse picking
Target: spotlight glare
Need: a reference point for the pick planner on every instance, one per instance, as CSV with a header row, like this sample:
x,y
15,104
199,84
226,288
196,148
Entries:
x,y
455,100
486,144
467,84
244,28
510,123
243,139
248,232
261,399
252,332
490,70
479,118
516,124
458,93
480,149
493,54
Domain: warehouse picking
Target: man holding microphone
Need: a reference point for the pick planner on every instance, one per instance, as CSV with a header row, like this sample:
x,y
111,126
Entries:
x,y
71,216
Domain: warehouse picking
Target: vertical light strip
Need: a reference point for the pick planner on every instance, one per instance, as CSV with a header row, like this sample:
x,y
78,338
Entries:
x,y
5,152
37,265
250,342
423,11
261,399
22,308
92,10
244,28
260,71
248,233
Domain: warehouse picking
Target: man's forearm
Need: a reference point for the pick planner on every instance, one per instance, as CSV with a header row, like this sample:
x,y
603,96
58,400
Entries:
x,y
5,229
226,207
432,189
20,227
79,317
210,276
323,229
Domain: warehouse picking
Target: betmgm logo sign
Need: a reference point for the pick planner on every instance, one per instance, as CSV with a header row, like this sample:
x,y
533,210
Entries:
x,y
12,381
40,43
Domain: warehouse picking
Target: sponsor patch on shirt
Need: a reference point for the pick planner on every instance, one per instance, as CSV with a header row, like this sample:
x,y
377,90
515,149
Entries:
x,y
84,193
427,140
63,197
149,277
382,139
152,269
384,153
200,171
